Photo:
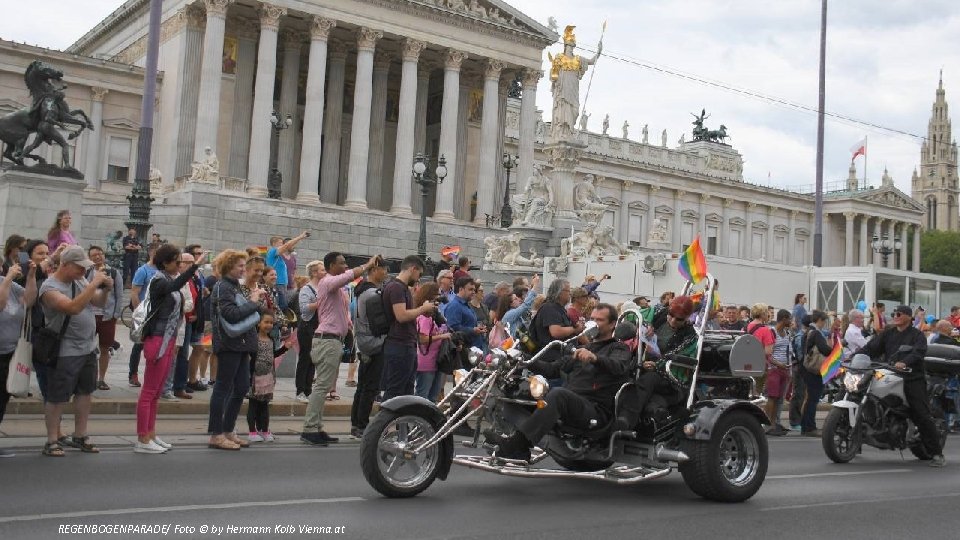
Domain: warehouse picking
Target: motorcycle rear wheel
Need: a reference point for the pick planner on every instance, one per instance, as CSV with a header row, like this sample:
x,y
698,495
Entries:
x,y
731,465
840,442
382,454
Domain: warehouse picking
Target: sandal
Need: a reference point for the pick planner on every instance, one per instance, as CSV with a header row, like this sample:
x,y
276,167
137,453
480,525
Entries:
x,y
53,449
351,383
223,444
65,441
102,385
332,396
84,446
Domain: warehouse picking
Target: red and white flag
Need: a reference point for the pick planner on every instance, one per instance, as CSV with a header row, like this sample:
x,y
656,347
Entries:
x,y
859,149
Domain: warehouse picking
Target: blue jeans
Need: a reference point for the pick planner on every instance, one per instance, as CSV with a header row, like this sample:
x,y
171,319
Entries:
x,y
177,376
399,369
814,384
428,384
233,381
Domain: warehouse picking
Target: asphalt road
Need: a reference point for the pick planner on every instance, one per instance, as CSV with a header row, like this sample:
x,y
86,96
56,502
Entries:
x,y
879,495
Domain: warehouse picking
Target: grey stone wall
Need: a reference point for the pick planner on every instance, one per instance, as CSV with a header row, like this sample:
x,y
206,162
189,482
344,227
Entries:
x,y
29,203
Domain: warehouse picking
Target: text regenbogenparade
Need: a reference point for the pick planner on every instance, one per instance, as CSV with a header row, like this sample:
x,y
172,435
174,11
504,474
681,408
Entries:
x,y
213,530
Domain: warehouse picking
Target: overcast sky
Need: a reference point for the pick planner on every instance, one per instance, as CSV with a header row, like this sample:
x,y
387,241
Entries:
x,y
883,60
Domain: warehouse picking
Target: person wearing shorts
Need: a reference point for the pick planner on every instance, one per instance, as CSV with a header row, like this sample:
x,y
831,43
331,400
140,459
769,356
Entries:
x,y
778,371
73,369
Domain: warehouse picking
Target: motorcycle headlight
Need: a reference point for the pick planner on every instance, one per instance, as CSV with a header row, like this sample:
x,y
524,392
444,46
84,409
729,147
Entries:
x,y
538,386
852,381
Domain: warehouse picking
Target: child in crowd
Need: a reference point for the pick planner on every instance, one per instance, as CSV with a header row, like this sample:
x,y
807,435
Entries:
x,y
264,381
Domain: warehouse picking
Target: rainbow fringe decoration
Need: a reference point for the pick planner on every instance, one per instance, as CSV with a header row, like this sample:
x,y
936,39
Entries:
x,y
831,364
693,265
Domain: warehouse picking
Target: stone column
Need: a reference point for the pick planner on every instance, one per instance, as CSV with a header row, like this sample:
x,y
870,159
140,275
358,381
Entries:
x,y
677,236
468,81
528,123
448,131
91,164
360,129
313,110
723,247
420,125
487,174
185,104
292,41
769,236
702,215
864,241
848,252
407,126
260,128
903,245
827,240
792,239
377,190
332,124
651,211
623,215
211,66
916,248
746,247
246,31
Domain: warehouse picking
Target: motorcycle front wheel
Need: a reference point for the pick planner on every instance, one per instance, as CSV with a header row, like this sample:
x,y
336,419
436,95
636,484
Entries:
x,y
385,459
840,441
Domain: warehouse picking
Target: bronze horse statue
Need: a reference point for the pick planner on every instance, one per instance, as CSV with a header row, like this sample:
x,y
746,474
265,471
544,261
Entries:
x,y
48,112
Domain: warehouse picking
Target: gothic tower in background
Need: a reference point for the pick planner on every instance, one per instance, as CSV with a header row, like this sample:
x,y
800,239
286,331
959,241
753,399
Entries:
x,y
935,184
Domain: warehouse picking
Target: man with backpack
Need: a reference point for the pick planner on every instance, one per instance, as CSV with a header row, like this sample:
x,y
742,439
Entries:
x,y
306,327
370,346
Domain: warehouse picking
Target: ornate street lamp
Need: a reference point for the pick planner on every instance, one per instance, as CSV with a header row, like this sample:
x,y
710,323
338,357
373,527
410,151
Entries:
x,y
275,179
885,246
423,178
506,212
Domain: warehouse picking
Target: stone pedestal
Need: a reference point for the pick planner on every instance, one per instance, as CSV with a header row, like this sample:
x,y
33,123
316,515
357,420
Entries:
x,y
29,202
721,159
534,238
564,159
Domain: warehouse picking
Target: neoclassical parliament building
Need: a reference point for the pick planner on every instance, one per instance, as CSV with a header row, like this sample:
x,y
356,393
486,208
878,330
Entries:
x,y
370,83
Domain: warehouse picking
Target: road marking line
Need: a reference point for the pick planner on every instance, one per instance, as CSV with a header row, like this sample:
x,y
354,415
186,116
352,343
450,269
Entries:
x,y
859,501
123,511
851,473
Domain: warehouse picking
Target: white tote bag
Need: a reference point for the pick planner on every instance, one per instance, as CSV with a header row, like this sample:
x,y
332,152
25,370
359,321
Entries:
x,y
21,365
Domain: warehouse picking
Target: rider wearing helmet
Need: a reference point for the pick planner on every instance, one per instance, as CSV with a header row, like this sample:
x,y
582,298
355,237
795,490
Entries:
x,y
596,372
888,343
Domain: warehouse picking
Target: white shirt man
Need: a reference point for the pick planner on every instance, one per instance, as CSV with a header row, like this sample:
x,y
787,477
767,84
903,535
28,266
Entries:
x,y
854,334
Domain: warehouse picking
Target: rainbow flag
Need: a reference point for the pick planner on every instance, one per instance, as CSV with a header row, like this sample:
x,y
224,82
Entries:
x,y
831,364
693,265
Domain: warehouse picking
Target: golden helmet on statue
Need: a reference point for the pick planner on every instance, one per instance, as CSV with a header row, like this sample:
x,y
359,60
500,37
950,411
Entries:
x,y
568,37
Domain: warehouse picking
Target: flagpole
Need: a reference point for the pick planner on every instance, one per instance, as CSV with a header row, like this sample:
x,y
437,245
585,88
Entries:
x,y
818,200
603,30
865,162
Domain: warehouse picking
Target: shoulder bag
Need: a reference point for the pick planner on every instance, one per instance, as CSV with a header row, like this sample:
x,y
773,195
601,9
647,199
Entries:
x,y
141,316
46,345
813,358
236,329
18,374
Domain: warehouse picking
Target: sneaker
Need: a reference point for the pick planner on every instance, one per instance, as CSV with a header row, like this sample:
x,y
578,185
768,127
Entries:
x,y
356,433
159,442
312,438
196,387
777,431
324,437
148,448
302,398
795,427
268,437
254,437
937,461
168,396
812,433
135,381
6,453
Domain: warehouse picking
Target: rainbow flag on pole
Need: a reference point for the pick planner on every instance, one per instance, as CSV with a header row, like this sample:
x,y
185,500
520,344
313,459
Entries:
x,y
693,265
831,364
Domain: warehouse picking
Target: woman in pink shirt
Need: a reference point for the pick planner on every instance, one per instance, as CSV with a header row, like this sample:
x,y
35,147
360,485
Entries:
x,y
60,232
429,338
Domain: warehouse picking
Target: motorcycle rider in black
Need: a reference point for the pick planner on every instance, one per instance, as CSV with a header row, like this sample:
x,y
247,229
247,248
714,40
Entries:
x,y
595,374
887,343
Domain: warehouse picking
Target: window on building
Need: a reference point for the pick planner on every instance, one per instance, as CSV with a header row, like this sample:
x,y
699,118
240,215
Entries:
x,y
931,213
635,230
687,232
778,253
756,246
118,159
733,249
801,250
711,241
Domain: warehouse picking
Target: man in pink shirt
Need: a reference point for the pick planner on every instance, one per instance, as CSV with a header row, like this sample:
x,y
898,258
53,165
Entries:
x,y
332,314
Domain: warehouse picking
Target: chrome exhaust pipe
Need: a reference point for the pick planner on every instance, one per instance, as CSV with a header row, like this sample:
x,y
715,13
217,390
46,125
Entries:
x,y
667,454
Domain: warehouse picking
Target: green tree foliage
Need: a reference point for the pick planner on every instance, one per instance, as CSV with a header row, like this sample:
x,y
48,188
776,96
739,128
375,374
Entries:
x,y
940,252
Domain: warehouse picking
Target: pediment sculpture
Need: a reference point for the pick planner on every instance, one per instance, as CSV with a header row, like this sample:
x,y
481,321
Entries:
x,y
505,250
586,203
207,170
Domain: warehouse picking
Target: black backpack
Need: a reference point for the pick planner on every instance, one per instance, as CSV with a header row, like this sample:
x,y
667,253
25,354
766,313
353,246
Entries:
x,y
376,311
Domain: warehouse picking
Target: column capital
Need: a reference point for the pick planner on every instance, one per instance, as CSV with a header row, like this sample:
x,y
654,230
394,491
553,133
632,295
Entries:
x,y
704,197
270,16
531,77
453,59
850,215
412,49
193,17
338,49
320,28
727,202
653,188
292,39
97,93
244,28
794,214
492,69
751,205
382,60
367,38
679,193
217,8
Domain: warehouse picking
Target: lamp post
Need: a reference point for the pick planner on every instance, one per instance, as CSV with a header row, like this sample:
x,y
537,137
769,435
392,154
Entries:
x,y
506,212
423,179
885,246
275,179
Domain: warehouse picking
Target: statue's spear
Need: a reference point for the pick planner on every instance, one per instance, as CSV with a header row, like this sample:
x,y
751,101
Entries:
x,y
603,30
